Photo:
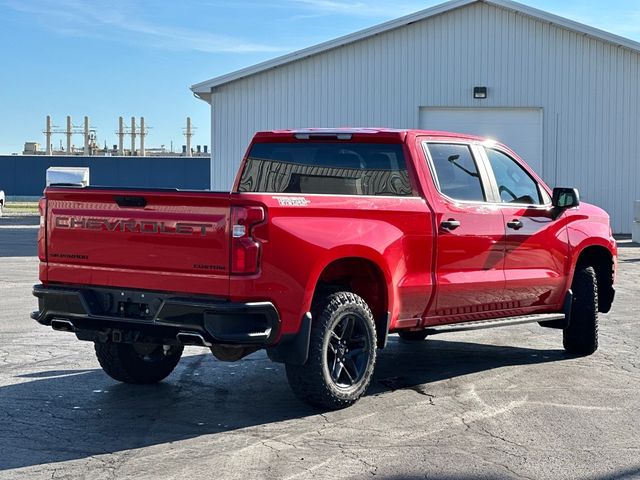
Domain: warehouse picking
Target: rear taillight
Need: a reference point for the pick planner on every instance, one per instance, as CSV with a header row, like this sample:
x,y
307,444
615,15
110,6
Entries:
x,y
245,249
42,231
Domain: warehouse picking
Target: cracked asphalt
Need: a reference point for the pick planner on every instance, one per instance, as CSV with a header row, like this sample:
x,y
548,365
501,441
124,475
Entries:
x,y
492,404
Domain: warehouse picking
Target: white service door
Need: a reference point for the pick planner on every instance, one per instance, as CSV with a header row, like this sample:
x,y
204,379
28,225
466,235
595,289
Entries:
x,y
518,128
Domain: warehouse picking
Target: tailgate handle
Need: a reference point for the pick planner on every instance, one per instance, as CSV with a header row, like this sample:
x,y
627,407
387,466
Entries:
x,y
130,201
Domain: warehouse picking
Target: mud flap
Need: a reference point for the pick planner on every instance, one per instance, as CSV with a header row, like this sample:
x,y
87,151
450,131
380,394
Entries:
x,y
294,348
566,308
382,327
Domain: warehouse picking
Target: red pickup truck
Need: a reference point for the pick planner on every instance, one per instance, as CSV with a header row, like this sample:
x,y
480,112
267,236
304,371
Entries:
x,y
329,241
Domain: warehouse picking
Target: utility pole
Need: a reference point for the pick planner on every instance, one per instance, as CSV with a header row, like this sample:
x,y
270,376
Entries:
x,y
69,132
47,134
120,136
188,134
86,136
142,135
133,136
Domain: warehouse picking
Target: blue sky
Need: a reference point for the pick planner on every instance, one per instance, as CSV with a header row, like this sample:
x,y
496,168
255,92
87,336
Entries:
x,y
138,57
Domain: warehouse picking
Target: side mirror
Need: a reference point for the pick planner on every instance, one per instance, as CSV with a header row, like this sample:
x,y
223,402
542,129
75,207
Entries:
x,y
564,197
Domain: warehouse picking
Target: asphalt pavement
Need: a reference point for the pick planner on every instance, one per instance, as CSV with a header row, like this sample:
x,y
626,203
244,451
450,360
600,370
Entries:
x,y
492,404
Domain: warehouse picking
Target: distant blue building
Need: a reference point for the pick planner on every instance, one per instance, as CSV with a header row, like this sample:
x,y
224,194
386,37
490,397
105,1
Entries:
x,y
25,175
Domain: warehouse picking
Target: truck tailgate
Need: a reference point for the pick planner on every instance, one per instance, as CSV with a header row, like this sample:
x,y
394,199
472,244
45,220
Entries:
x,y
146,239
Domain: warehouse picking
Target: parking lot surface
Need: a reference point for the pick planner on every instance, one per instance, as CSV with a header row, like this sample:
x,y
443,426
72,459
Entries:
x,y
498,404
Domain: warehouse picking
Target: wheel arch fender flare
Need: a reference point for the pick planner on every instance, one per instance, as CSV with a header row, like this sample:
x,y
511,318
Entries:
x,y
346,253
602,255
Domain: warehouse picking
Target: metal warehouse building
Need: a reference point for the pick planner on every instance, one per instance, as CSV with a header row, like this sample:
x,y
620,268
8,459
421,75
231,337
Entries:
x,y
563,95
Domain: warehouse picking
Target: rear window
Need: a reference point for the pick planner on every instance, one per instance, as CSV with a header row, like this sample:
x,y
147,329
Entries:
x,y
323,167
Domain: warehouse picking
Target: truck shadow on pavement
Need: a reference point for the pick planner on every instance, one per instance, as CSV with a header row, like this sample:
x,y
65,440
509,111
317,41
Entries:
x,y
61,415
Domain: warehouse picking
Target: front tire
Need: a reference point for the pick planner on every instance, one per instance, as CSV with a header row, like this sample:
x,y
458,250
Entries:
x,y
581,337
342,354
137,363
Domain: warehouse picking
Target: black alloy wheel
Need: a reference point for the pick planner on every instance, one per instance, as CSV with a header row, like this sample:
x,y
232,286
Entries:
x,y
342,353
348,351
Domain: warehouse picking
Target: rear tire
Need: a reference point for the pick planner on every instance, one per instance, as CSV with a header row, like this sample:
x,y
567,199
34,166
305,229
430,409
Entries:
x,y
137,363
342,354
581,337
412,336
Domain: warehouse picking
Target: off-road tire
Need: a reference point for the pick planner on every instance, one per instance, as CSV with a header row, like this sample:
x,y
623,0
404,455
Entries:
x,y
581,337
125,363
412,336
312,382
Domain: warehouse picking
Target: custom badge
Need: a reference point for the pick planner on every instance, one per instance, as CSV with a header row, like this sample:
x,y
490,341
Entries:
x,y
292,201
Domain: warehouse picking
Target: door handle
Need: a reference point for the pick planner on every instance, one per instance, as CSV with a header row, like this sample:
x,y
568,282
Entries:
x,y
515,224
450,224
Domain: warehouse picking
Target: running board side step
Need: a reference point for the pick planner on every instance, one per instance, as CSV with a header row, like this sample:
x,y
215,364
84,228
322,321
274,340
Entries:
x,y
558,319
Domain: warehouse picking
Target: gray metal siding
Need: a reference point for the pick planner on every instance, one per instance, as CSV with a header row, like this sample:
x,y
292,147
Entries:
x,y
587,88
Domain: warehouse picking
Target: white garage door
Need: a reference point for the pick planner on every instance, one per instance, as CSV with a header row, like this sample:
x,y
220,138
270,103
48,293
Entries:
x,y
518,128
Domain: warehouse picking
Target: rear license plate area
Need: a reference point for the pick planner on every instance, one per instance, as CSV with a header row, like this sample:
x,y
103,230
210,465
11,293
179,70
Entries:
x,y
133,310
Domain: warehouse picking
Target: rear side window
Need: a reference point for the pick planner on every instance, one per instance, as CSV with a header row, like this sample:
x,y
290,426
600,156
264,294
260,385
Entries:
x,y
515,185
456,171
326,167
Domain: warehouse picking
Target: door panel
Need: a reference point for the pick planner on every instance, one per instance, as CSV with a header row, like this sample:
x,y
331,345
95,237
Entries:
x,y
536,257
536,247
469,260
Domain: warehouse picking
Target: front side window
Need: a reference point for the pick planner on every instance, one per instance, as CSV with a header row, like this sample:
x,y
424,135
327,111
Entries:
x,y
456,172
326,167
515,185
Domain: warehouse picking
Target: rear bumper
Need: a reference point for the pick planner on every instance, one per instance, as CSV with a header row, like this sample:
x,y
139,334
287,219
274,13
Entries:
x,y
156,315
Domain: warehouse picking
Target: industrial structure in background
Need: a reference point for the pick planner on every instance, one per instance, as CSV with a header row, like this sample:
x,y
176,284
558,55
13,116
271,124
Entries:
x,y
128,163
90,146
